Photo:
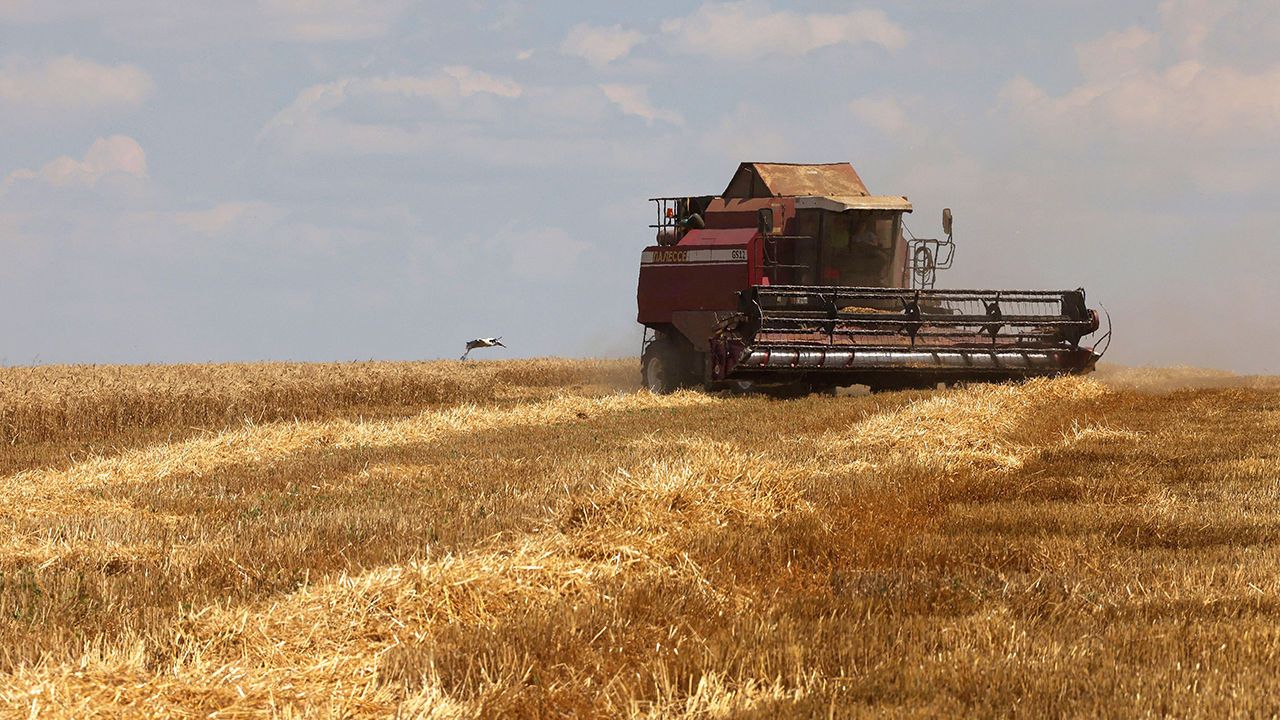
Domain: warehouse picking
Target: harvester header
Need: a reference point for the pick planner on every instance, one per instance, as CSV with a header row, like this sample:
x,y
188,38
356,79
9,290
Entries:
x,y
797,279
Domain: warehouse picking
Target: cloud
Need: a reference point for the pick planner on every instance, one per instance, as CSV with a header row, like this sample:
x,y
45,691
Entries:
x,y
1119,52
1160,107
449,84
1241,33
117,155
1188,100
750,29
175,24
226,216
471,82
72,83
466,115
600,46
634,100
445,86
1190,24
319,21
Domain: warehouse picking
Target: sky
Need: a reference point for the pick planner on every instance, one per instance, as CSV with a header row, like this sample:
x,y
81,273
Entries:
x,y
355,179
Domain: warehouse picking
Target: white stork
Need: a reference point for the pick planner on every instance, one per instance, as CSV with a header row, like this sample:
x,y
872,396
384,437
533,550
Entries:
x,y
482,343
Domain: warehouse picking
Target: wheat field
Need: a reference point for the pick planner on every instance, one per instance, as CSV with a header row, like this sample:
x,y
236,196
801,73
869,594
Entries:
x,y
540,539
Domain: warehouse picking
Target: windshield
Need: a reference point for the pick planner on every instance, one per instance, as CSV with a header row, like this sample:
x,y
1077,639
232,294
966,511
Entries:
x,y
858,247
855,247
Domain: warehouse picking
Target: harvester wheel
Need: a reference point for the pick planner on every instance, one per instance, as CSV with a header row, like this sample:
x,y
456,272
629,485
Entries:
x,y
663,368
657,375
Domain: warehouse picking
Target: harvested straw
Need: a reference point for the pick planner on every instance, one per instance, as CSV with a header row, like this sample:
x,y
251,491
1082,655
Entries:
x,y
977,551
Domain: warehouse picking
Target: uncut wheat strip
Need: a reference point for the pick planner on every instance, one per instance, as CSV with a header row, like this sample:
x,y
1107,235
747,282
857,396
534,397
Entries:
x,y
718,482
710,482
970,427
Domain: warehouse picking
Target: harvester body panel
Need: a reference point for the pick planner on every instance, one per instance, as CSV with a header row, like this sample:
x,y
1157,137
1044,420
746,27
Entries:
x,y
705,271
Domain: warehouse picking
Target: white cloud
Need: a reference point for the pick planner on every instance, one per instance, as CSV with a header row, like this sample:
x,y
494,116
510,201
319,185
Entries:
x,y
1186,99
450,83
1119,52
69,82
226,216
447,85
1162,107
466,115
634,100
332,20
600,46
750,29
177,24
1190,23
117,155
471,82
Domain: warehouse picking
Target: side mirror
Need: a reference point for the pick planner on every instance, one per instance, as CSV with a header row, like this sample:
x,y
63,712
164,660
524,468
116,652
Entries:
x,y
946,221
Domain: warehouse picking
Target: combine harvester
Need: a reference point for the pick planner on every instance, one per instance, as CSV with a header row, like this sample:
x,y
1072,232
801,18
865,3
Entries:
x,y
797,280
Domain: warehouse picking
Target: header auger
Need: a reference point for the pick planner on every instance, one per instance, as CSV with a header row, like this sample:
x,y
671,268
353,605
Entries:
x,y
795,279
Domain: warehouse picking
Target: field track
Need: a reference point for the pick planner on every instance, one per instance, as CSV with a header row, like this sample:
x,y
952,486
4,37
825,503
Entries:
x,y
538,539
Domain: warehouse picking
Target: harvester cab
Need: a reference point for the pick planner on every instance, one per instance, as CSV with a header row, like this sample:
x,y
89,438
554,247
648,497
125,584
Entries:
x,y
797,279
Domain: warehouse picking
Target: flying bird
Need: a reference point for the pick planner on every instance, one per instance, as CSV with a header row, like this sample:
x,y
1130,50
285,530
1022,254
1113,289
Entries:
x,y
482,343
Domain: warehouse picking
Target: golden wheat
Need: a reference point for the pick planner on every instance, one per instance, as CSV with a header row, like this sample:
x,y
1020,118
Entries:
x,y
1061,547
50,411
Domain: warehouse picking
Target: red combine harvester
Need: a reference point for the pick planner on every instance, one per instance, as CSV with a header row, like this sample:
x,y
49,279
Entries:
x,y
797,280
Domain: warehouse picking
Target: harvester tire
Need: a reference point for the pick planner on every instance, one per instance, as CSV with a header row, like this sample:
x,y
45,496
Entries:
x,y
663,367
